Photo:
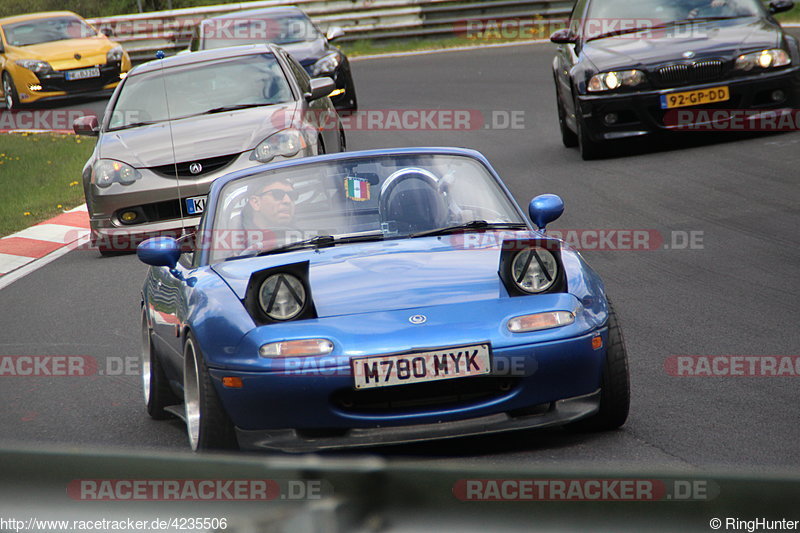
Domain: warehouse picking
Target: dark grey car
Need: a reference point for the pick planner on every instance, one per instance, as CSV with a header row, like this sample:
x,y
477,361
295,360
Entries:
x,y
175,125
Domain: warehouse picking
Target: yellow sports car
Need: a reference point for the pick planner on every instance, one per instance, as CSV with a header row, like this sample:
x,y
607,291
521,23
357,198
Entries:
x,y
43,55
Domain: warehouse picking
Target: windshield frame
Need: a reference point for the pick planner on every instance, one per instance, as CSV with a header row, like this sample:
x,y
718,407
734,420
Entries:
x,y
203,253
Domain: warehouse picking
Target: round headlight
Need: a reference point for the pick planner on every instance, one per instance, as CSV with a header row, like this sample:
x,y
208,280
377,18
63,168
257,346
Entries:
x,y
282,296
534,270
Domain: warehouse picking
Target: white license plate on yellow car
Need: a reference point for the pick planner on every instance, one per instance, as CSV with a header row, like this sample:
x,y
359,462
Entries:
x,y
692,98
420,367
82,74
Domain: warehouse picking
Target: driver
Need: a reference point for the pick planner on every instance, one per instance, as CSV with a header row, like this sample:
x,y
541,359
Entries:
x,y
271,206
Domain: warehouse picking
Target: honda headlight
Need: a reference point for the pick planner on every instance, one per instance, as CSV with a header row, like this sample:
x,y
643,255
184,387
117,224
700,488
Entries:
x,y
327,64
763,60
609,81
108,171
34,65
114,55
534,270
286,143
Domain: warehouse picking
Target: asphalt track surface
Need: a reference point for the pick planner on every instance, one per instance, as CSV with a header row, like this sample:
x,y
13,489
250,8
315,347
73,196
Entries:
x,y
737,294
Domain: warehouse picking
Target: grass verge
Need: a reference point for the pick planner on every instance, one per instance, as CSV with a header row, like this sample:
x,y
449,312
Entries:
x,y
40,176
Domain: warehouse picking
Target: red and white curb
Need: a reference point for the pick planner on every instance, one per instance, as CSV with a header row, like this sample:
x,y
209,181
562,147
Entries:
x,y
42,243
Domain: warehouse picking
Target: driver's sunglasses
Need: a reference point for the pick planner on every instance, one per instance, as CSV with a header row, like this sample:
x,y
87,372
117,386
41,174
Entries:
x,y
279,194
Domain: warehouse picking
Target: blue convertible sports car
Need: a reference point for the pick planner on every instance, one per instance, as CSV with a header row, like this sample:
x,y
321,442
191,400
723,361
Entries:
x,y
377,297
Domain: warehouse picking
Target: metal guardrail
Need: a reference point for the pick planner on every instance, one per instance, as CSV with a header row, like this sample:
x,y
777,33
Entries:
x,y
142,34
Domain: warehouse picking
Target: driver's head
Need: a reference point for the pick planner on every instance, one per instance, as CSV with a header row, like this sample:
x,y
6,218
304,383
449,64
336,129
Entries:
x,y
273,204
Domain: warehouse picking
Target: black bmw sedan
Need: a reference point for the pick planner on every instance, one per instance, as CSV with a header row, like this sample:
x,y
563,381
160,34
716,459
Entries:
x,y
291,29
623,69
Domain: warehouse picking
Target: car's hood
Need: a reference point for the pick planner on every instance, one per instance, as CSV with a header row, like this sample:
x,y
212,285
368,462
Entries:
x,y
718,38
196,137
307,51
386,276
61,54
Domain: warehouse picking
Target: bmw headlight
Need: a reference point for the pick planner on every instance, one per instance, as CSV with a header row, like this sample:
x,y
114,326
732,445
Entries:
x,y
108,171
114,55
327,64
34,65
609,81
282,296
285,143
534,270
763,60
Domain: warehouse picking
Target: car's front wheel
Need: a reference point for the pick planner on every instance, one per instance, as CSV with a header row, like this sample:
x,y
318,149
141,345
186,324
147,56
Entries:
x,y
157,392
207,423
589,148
615,385
10,96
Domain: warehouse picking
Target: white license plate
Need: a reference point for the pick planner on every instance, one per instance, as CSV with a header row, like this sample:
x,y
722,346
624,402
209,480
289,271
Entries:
x,y
82,74
195,205
420,367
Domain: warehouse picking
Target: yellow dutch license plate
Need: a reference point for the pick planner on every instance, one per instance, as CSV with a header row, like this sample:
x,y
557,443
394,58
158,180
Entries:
x,y
692,98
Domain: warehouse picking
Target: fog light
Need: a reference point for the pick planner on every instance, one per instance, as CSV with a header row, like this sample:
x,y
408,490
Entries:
x,y
778,96
129,216
123,75
34,87
611,118
336,92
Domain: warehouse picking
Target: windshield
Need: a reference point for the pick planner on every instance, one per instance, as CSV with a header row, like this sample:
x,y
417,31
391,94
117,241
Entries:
x,y
221,33
200,88
610,16
47,30
390,196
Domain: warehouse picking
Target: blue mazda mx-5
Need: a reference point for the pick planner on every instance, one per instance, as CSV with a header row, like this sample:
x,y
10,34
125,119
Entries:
x,y
375,297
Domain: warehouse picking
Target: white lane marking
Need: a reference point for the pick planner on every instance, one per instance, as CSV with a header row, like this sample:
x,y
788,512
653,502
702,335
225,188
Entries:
x,y
34,265
9,262
52,233
454,49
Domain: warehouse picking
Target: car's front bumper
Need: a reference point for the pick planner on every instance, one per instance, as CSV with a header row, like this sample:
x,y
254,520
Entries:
x,y
640,113
308,404
552,414
55,85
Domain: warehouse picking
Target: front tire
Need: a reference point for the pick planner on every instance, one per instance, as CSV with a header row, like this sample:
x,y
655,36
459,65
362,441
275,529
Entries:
x,y
10,96
615,385
157,392
207,423
589,149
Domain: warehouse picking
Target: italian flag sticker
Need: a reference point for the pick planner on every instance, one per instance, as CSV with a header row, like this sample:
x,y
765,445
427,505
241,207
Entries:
x,y
357,189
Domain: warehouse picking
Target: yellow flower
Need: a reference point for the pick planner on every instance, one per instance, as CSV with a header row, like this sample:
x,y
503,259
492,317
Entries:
x,y
59,206
49,162
78,140
27,213
74,183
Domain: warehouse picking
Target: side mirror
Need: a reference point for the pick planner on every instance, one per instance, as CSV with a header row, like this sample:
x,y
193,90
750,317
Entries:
x,y
159,252
563,36
545,209
320,88
86,125
779,6
334,32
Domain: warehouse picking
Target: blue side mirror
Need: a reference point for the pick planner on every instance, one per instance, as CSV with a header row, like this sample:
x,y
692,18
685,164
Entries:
x,y
160,252
545,209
